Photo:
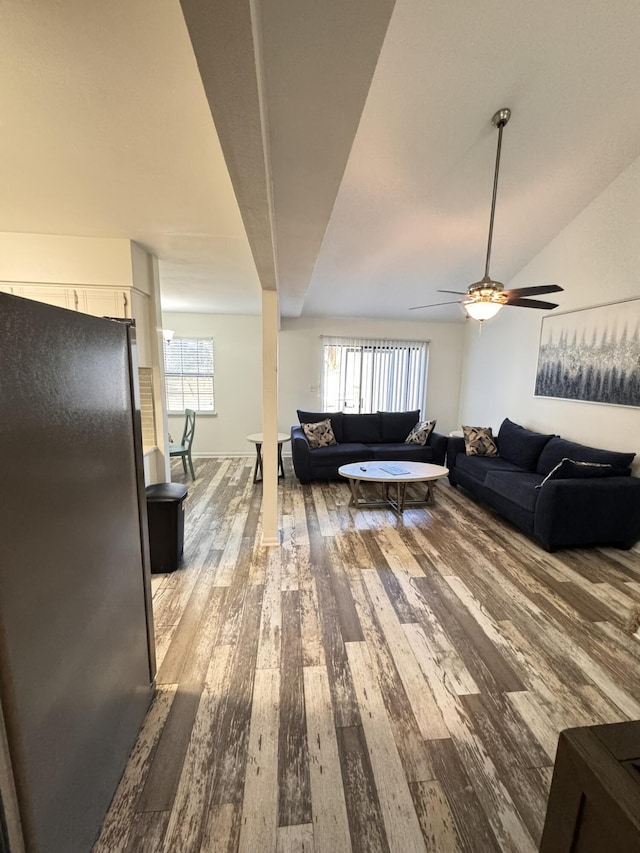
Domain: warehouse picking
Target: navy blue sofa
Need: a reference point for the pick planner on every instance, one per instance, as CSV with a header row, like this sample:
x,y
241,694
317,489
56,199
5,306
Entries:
x,y
562,513
361,438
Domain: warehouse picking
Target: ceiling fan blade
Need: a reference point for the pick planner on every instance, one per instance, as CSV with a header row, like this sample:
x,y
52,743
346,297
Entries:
x,y
457,292
436,304
533,291
532,303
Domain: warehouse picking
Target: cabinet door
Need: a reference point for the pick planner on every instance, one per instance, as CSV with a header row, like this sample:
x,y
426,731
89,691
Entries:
x,y
63,297
104,302
12,289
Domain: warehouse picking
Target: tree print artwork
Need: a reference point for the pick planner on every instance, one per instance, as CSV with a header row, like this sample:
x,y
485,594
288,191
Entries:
x,y
592,355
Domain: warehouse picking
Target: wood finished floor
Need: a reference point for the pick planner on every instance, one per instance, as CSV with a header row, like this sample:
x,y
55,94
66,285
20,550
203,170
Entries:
x,y
375,684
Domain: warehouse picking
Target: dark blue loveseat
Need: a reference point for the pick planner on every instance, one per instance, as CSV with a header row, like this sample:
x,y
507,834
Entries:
x,y
597,507
361,438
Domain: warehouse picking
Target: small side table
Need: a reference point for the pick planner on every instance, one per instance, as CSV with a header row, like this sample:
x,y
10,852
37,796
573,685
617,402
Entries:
x,y
257,439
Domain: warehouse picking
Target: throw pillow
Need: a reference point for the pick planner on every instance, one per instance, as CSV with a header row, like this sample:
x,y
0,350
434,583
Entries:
x,y
319,434
569,469
421,432
479,441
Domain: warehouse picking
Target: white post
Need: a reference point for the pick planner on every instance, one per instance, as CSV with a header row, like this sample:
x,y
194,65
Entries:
x,y
270,323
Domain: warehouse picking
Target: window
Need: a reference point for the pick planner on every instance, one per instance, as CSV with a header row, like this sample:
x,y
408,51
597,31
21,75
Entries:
x,y
188,368
361,375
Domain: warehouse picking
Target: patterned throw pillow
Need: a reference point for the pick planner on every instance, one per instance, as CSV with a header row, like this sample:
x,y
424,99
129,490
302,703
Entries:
x,y
421,432
479,441
319,434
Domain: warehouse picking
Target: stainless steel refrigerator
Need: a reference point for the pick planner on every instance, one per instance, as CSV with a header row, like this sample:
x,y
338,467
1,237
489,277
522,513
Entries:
x,y
77,659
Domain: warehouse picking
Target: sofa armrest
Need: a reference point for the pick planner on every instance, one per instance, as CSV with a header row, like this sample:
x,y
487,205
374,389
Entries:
x,y
300,451
438,443
588,512
455,445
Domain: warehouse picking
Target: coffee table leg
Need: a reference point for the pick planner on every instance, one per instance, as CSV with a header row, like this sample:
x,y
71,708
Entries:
x,y
354,485
428,498
280,465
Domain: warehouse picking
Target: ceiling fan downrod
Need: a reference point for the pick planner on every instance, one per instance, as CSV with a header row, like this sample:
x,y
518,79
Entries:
x,y
499,120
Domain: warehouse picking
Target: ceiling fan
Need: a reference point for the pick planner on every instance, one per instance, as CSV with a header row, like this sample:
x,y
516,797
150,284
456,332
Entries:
x,y
486,297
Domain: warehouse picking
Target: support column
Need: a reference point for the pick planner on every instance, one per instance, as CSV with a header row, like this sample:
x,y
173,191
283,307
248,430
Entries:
x,y
270,323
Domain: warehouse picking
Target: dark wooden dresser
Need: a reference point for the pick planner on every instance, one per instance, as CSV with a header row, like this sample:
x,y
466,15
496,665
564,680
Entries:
x,y
594,803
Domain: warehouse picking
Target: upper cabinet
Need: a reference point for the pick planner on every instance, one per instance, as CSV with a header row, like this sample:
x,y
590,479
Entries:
x,y
104,302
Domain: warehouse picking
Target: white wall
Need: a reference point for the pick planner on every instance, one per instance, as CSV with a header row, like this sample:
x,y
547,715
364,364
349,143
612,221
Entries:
x,y
53,259
301,360
237,353
596,259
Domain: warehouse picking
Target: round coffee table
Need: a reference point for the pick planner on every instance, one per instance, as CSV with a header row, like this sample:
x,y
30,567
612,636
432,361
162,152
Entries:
x,y
391,473
257,439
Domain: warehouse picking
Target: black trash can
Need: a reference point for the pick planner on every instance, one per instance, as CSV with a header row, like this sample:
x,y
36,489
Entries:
x,y
165,510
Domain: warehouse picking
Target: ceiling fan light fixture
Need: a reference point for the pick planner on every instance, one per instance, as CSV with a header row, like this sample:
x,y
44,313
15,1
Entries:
x,y
482,309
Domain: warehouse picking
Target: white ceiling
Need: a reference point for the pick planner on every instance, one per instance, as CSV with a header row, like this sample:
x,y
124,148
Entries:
x,y
363,163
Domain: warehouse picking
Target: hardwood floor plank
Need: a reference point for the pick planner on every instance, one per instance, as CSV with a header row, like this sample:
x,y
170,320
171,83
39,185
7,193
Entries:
x,y
330,824
189,809
497,803
528,795
295,839
294,800
411,745
436,820
366,824
472,644
312,646
471,823
203,611
164,774
232,726
260,797
401,823
117,825
350,627
222,831
425,709
530,709
147,832
345,706
271,617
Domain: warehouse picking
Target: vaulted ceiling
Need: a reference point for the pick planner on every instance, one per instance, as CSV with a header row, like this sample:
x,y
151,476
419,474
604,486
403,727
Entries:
x,y
341,153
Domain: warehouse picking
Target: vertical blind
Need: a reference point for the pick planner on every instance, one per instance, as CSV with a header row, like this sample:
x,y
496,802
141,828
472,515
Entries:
x,y
188,367
363,375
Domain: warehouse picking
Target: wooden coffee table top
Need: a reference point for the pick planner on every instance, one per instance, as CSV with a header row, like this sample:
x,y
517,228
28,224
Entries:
x,y
375,471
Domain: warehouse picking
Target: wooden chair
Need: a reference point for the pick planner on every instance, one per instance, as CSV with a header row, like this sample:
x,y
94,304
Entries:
x,y
184,448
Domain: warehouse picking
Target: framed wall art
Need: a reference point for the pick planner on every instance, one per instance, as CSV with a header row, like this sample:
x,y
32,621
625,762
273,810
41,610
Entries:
x,y
591,355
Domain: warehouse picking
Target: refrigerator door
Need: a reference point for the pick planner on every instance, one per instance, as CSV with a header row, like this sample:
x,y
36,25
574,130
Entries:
x,y
75,658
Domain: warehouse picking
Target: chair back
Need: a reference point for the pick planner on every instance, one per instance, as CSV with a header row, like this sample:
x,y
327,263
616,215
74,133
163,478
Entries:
x,y
189,428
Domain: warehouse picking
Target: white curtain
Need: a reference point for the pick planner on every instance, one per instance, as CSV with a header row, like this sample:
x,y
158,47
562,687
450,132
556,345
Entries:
x,y
367,375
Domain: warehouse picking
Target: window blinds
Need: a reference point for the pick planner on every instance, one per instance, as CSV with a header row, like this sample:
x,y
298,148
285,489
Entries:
x,y
188,367
364,375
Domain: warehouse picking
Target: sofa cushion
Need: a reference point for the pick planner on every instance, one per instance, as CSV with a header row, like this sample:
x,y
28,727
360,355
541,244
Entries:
x,y
568,469
479,441
559,448
402,451
519,445
319,434
341,454
480,466
314,417
518,488
396,426
421,432
361,428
